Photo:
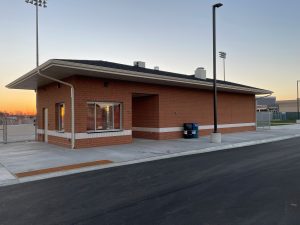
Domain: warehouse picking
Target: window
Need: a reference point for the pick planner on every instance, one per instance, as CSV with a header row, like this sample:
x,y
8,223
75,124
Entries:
x,y
104,116
60,116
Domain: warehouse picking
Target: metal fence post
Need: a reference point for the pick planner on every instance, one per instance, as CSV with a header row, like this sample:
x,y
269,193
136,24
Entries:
x,y
270,119
4,130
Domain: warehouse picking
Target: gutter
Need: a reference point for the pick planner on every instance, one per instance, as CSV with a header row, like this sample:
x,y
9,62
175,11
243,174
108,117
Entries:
x,y
72,104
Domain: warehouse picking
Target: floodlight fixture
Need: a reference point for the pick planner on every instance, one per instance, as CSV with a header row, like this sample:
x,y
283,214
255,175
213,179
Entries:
x,y
218,5
222,55
40,3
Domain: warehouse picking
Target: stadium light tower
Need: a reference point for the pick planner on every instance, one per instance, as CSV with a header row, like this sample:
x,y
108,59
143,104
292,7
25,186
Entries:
x,y
37,4
223,56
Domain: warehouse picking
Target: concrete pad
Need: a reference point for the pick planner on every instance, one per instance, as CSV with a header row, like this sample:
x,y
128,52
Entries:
x,y
5,174
6,177
32,156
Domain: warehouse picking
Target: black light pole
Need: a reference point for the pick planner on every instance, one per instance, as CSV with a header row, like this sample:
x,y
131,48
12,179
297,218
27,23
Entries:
x,y
214,67
298,99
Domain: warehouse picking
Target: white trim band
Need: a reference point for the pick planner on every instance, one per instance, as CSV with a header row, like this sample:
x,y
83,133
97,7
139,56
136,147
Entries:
x,y
204,127
55,133
103,134
79,136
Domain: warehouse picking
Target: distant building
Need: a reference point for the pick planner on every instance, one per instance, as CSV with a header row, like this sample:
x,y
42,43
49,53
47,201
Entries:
x,y
287,106
17,119
267,104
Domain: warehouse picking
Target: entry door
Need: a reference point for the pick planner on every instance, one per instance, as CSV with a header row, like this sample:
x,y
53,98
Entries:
x,y
46,125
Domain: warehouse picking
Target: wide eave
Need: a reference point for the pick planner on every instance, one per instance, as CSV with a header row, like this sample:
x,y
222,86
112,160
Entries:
x,y
61,69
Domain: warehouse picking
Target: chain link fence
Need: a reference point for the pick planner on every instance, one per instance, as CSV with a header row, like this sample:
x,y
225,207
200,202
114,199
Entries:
x,y
15,133
263,120
3,130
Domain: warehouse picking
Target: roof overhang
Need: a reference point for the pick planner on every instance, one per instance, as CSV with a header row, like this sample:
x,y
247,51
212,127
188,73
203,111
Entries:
x,y
60,69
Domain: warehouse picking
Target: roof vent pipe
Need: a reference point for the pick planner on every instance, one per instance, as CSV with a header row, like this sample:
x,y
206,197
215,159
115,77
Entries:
x,y
139,64
200,73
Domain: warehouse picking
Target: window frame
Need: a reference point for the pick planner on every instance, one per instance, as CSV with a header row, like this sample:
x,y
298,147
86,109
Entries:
x,y
59,126
95,116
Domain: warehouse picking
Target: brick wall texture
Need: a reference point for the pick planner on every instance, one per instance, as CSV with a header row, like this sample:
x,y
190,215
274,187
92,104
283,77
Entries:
x,y
144,105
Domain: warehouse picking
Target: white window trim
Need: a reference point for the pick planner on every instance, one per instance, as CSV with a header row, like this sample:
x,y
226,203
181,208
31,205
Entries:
x,y
95,119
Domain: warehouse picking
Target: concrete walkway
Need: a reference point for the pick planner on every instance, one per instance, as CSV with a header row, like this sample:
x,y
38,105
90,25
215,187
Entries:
x,y
25,157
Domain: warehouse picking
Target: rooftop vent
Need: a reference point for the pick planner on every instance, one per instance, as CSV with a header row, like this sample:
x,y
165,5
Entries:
x,y
139,64
200,73
156,68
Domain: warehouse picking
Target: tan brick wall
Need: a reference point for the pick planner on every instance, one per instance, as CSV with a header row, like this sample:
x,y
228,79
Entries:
x,y
169,107
187,105
145,113
104,141
48,96
147,135
64,142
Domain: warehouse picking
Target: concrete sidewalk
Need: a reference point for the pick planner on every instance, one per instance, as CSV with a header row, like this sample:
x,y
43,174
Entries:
x,y
35,160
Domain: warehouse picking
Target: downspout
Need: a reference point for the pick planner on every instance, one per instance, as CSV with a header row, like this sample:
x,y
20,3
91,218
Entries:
x,y
72,104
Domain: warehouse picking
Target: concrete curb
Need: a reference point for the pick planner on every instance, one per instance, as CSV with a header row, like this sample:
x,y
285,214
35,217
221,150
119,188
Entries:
x,y
149,159
9,182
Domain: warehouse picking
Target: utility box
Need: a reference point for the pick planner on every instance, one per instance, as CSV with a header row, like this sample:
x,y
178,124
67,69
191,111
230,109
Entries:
x,y
190,130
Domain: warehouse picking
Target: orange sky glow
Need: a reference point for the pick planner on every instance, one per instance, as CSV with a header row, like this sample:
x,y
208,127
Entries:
x,y
17,101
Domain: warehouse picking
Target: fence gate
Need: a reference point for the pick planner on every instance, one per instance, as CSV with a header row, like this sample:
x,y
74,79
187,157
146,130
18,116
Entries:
x,y
3,130
263,120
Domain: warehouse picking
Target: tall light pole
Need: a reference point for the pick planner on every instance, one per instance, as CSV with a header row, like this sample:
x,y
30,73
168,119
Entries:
x,y
43,3
223,56
298,121
37,3
215,137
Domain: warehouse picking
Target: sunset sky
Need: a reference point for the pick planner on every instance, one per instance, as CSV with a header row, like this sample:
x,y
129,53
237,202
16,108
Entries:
x,y
261,39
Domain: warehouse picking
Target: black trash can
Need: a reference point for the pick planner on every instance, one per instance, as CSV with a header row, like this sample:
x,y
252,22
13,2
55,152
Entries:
x,y
190,130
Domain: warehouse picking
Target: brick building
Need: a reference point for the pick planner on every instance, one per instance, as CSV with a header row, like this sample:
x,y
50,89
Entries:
x,y
114,103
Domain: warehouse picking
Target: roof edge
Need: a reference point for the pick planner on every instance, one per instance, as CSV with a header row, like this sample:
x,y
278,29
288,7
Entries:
x,y
65,63
257,91
29,74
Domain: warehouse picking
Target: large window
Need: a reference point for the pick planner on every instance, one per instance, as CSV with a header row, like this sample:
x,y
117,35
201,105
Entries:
x,y
60,116
104,116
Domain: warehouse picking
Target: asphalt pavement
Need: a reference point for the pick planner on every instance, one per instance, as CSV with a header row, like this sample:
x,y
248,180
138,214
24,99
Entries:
x,y
251,185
